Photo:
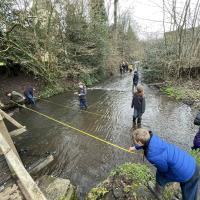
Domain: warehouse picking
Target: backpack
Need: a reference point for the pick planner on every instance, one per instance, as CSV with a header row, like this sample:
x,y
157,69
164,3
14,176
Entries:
x,y
197,119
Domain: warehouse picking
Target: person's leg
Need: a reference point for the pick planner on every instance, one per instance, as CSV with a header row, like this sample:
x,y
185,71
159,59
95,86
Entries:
x,y
81,103
85,103
158,189
31,99
190,188
139,118
135,115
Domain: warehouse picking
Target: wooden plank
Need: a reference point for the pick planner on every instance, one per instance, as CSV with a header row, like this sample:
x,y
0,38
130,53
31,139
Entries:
x,y
18,131
34,168
10,119
25,179
7,136
42,164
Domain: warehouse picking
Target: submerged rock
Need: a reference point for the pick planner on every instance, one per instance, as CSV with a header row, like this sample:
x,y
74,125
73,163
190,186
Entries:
x,y
57,188
129,182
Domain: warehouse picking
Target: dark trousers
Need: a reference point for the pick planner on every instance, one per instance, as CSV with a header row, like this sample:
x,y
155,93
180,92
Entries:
x,y
83,103
30,99
189,189
137,115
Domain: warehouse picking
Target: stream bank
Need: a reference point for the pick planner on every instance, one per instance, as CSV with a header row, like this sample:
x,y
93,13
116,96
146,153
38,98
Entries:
x,y
187,92
131,181
21,81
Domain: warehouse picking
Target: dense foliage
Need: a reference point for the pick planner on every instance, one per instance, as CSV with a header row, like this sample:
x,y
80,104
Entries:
x,y
176,55
72,39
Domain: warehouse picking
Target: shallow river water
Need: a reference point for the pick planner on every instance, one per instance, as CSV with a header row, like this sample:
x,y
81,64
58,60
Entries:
x,y
84,160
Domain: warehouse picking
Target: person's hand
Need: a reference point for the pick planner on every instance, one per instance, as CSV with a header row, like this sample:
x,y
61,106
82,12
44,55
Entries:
x,y
131,149
76,93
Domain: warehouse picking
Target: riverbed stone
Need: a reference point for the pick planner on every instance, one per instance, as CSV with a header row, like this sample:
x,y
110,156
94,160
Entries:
x,y
56,188
11,192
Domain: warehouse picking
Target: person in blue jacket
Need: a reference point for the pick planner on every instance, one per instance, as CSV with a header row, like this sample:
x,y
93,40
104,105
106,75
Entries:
x,y
28,93
173,164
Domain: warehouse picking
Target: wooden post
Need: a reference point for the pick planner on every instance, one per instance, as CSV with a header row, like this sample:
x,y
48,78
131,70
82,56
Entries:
x,y
17,131
42,164
10,119
25,179
7,137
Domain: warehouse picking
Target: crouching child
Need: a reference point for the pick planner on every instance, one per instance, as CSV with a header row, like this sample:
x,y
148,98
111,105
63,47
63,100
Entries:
x,y
28,93
173,164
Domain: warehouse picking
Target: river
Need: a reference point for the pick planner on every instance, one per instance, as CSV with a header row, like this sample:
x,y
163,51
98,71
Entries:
x,y
84,160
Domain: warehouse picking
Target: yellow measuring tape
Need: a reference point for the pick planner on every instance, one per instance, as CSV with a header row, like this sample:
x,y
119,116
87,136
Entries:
x,y
76,129
71,108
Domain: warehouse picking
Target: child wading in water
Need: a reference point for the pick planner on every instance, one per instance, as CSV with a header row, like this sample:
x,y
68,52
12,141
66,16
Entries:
x,y
138,102
173,164
135,80
82,95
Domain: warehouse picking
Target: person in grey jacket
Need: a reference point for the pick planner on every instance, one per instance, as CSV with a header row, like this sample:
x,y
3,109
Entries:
x,y
138,102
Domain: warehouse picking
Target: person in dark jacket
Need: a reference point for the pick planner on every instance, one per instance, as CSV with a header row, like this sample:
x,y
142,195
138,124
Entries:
x,y
82,95
173,164
124,67
28,93
135,78
138,102
196,141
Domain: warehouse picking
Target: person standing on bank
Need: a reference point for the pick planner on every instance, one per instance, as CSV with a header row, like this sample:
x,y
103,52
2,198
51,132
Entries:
x,y
138,103
82,95
172,163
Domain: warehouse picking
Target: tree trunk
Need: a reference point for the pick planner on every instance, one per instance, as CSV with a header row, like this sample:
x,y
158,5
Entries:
x,y
115,14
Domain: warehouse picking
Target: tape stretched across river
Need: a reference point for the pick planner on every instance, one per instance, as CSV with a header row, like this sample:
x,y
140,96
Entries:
x,y
78,130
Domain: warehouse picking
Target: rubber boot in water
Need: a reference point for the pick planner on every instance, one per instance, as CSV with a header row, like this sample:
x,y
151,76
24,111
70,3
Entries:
x,y
139,120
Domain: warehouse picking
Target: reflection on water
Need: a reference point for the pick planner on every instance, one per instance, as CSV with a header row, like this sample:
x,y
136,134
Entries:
x,y
84,160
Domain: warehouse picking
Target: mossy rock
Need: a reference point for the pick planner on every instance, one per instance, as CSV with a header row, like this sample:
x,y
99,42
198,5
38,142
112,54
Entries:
x,y
128,182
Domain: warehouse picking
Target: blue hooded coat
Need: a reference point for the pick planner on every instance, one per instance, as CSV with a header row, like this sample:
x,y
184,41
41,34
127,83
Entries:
x,y
173,163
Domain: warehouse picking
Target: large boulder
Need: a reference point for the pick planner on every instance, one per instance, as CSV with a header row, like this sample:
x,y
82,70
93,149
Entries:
x,y
57,188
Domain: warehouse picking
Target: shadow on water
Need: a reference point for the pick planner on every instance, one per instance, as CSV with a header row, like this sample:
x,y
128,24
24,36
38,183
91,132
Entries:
x,y
84,160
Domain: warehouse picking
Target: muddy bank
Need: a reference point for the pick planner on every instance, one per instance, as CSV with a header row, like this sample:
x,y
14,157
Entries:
x,y
22,81
18,83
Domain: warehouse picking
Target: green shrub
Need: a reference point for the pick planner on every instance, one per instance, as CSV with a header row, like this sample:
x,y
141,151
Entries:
x,y
51,90
139,172
196,155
